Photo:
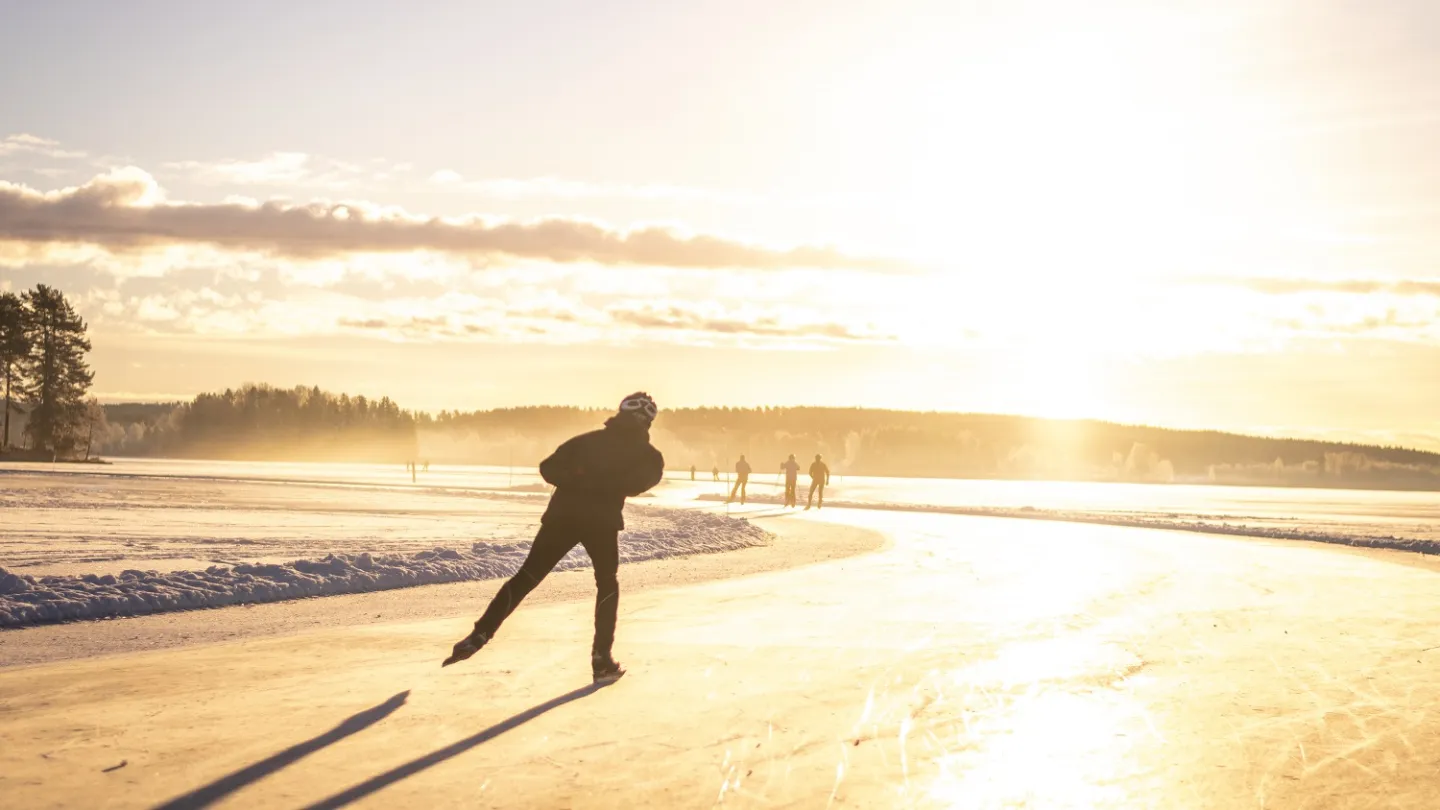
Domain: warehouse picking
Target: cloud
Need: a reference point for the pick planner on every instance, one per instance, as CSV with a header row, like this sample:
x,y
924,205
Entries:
x,y
1391,324
23,143
276,168
557,188
288,169
767,325
1292,286
126,210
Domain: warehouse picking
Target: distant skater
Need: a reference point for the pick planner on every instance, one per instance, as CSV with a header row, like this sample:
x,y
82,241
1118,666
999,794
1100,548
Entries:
x,y
716,472
819,477
692,472
742,476
791,468
593,474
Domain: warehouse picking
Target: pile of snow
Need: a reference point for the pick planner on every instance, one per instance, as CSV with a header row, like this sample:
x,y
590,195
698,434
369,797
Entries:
x,y
1205,524
27,600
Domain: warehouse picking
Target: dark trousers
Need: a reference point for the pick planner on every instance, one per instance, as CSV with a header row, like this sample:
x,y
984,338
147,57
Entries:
x,y
740,488
816,484
551,544
789,491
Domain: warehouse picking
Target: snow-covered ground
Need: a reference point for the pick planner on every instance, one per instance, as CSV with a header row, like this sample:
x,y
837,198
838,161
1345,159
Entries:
x,y
77,547
28,600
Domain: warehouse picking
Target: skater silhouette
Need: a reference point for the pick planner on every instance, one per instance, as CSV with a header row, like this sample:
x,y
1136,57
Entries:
x,y
819,477
593,474
742,477
791,468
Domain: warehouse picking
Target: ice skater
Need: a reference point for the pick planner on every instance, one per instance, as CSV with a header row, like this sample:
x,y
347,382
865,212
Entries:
x,y
593,474
742,478
791,468
819,477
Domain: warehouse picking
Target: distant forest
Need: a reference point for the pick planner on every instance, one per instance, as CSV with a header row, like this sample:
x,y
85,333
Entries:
x,y
307,424
259,422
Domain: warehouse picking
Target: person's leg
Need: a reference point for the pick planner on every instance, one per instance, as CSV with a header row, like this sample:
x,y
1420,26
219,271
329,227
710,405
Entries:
x,y
742,490
604,551
820,504
551,544
734,490
810,500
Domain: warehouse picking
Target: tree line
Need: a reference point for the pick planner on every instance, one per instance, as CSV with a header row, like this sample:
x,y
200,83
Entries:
x,y
310,424
264,423
46,376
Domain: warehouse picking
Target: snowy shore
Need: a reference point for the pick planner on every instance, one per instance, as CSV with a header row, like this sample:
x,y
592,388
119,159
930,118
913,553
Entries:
x,y
28,600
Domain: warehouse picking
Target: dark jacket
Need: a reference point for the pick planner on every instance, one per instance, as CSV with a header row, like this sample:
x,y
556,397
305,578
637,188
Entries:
x,y
820,471
595,472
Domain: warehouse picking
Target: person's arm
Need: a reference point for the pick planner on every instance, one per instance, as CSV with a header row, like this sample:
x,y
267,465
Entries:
x,y
645,473
563,467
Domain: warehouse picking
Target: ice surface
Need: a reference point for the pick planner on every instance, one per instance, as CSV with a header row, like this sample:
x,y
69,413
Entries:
x,y
27,600
1237,525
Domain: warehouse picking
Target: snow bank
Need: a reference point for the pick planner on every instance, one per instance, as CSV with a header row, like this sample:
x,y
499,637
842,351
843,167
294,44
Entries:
x,y
27,600
1205,524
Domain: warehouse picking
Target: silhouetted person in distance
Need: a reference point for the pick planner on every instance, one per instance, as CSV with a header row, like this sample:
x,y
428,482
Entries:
x,y
593,474
791,468
742,475
716,472
692,472
819,477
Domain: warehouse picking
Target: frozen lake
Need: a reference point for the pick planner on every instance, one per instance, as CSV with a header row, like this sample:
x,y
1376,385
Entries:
x,y
379,504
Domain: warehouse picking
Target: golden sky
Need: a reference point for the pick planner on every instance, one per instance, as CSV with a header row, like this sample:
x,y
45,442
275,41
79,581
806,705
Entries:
x,y
1219,214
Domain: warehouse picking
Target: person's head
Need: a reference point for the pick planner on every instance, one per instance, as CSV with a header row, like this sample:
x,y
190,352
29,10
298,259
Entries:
x,y
792,457
639,407
817,456
742,456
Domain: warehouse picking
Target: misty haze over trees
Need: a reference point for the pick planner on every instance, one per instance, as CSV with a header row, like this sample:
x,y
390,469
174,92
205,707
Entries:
x,y
306,424
260,422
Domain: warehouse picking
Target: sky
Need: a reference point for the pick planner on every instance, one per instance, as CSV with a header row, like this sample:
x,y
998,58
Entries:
x,y
1216,214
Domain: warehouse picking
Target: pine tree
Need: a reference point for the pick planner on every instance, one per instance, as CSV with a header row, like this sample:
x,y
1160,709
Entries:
x,y
55,375
14,346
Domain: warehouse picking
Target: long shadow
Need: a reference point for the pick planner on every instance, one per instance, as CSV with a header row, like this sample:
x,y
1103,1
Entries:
x,y
414,766
225,785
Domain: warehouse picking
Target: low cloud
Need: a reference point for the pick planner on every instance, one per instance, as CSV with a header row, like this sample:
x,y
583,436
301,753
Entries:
x,y
23,143
554,188
277,168
1294,286
126,210
768,325
1389,324
289,170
